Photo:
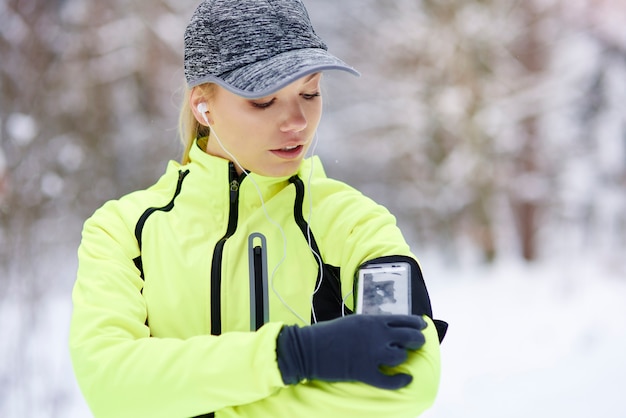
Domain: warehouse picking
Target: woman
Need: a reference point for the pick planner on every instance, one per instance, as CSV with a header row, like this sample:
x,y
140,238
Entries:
x,y
226,289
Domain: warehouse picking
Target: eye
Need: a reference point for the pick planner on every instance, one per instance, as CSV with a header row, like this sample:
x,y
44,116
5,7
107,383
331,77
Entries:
x,y
262,105
311,96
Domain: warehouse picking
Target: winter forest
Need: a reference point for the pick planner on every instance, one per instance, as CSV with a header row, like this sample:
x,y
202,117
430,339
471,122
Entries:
x,y
495,131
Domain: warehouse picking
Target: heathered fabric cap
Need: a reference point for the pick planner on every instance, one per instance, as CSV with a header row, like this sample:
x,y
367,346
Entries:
x,y
254,48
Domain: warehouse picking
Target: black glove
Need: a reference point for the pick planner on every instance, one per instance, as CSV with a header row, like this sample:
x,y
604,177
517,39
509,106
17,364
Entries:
x,y
351,348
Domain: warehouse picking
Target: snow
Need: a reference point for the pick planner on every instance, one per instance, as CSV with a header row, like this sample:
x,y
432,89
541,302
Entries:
x,y
541,340
21,128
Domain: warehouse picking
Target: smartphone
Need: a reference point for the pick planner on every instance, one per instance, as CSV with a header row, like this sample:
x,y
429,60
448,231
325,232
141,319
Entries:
x,y
384,288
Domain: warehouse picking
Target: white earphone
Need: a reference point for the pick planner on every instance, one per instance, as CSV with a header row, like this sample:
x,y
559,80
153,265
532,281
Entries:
x,y
203,108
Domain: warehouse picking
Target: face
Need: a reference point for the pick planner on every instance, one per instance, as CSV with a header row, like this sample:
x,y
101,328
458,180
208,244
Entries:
x,y
268,136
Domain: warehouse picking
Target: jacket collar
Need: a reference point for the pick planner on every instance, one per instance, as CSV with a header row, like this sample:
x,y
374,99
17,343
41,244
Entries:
x,y
214,174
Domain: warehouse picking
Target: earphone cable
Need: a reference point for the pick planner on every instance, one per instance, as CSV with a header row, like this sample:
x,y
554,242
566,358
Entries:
x,y
270,220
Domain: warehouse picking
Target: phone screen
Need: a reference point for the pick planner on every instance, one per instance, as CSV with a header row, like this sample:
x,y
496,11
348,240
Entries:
x,y
384,289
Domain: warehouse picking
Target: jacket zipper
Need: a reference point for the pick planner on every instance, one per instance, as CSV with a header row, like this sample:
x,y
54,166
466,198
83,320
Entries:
x,y
216,265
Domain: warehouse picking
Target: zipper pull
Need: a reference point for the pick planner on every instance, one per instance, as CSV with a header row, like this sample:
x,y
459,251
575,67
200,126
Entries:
x,y
234,189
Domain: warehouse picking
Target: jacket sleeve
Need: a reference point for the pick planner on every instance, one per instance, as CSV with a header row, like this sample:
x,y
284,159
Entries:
x,y
123,372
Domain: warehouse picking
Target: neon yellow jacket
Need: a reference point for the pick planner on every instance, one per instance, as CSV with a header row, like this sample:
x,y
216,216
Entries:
x,y
162,317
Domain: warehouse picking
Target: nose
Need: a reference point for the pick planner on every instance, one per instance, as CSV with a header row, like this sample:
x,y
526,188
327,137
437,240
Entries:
x,y
294,120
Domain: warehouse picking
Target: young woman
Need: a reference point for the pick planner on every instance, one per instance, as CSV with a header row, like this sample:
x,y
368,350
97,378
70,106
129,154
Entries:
x,y
227,288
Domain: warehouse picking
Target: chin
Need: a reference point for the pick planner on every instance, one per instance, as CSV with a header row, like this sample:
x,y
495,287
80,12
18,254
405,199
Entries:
x,y
284,170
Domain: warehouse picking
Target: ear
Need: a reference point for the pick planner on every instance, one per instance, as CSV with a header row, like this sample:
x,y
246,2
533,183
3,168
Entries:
x,y
196,99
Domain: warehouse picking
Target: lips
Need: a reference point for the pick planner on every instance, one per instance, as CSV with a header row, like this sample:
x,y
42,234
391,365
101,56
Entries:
x,y
289,152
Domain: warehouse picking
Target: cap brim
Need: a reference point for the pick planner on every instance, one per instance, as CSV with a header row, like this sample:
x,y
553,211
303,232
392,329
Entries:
x,y
266,77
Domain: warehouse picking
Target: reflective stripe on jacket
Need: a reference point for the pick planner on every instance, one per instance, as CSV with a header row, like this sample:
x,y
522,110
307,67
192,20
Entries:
x,y
173,282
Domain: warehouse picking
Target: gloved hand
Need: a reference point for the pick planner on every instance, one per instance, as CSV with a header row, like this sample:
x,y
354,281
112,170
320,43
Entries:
x,y
351,348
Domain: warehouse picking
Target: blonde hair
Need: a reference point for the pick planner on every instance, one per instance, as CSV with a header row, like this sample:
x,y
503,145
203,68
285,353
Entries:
x,y
189,129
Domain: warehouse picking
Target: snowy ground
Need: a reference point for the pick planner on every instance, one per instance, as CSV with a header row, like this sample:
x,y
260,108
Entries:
x,y
547,340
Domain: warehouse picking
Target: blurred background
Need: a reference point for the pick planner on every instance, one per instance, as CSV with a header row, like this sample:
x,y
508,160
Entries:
x,y
495,130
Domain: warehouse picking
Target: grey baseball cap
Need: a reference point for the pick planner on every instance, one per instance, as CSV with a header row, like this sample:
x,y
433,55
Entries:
x,y
254,48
